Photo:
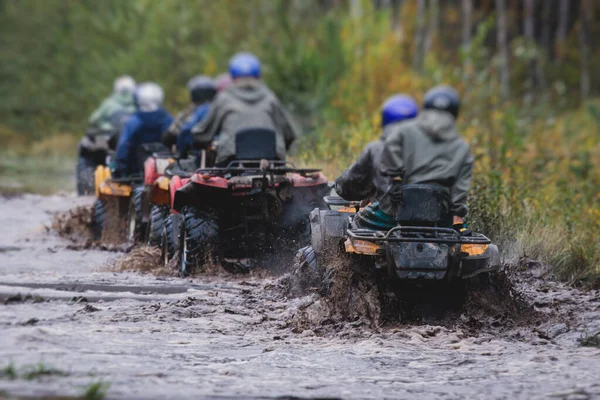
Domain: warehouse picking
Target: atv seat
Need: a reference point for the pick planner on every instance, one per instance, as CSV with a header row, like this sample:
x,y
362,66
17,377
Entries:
x,y
421,204
255,144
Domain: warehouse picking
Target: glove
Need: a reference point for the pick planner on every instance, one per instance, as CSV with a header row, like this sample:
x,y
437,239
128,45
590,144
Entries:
x,y
462,229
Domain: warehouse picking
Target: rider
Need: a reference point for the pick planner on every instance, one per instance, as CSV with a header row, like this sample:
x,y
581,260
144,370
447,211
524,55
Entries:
x,y
145,126
427,150
119,103
362,180
246,103
202,91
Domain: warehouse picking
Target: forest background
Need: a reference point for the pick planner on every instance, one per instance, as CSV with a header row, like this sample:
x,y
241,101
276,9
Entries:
x,y
528,72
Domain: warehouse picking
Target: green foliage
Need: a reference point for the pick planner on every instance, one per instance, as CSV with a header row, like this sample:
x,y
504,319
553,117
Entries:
x,y
8,372
96,391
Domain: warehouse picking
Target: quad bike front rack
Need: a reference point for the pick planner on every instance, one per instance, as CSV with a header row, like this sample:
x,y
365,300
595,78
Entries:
x,y
418,234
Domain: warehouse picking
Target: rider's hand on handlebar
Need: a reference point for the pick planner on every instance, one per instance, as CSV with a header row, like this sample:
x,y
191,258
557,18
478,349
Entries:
x,y
462,229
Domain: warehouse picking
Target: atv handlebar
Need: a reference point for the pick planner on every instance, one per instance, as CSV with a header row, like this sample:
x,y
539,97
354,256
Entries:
x,y
417,234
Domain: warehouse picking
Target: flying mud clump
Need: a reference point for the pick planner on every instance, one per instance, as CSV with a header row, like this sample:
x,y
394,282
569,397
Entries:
x,y
78,226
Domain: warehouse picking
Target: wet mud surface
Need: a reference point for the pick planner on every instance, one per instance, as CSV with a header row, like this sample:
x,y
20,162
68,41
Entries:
x,y
97,315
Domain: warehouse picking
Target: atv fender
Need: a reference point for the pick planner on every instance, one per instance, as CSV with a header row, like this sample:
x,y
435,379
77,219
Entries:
x,y
328,228
477,263
105,187
150,174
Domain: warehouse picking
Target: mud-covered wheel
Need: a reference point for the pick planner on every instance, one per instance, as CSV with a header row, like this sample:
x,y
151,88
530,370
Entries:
x,y
198,232
84,175
158,217
307,276
136,228
169,239
99,217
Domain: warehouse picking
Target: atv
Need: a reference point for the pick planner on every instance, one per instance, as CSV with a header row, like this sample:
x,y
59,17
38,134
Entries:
x,y
94,148
93,151
158,179
254,204
123,204
420,247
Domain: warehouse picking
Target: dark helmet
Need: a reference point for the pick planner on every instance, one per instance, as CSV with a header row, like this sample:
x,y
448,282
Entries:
x,y
244,65
202,89
443,98
398,108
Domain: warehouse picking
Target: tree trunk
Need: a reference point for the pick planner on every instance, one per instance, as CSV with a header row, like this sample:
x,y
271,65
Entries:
x,y
467,28
502,43
584,47
562,29
546,40
419,37
395,18
433,26
529,33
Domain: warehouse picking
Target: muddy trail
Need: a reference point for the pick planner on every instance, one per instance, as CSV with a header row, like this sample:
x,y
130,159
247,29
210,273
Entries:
x,y
74,315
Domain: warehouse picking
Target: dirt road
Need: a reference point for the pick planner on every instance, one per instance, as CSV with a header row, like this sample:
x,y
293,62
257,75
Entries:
x,y
153,337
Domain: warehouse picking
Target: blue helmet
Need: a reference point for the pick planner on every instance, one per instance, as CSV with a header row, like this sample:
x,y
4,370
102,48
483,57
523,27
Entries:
x,y
244,65
398,108
443,98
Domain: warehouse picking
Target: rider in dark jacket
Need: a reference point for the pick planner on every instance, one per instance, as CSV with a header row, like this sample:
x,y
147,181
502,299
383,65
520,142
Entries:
x,y
363,180
145,126
202,92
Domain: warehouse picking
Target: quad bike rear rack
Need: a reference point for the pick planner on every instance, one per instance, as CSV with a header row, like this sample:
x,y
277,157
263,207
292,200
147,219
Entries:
x,y
254,167
418,234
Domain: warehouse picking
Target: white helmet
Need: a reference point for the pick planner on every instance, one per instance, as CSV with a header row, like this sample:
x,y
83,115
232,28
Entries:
x,y
149,97
124,84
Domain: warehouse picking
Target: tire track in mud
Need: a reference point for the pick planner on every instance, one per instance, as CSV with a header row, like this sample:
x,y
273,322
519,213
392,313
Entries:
x,y
228,335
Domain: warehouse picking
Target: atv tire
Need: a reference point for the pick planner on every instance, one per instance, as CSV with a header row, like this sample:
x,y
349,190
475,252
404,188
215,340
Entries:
x,y
199,231
136,229
169,240
307,277
85,176
99,217
158,217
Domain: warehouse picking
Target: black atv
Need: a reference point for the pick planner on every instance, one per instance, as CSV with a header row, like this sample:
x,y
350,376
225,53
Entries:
x,y
420,247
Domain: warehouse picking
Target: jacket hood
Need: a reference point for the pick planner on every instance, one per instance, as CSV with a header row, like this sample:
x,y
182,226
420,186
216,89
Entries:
x,y
124,99
249,91
439,125
153,119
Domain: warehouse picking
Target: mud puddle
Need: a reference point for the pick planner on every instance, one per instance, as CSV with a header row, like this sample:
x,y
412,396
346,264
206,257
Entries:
x,y
241,336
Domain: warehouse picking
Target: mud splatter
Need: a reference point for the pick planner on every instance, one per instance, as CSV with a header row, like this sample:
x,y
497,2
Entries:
x,y
75,225
143,259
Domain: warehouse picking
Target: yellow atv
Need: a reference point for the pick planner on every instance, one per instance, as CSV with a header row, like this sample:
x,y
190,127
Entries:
x,y
122,208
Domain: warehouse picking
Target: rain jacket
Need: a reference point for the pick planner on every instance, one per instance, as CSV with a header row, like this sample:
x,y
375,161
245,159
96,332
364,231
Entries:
x,y
363,180
246,103
141,128
429,150
117,103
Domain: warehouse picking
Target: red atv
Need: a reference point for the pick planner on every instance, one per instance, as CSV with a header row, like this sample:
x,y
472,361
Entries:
x,y
252,206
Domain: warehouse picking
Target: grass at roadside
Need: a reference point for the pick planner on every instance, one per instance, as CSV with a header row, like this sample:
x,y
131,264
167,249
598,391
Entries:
x,y
45,167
